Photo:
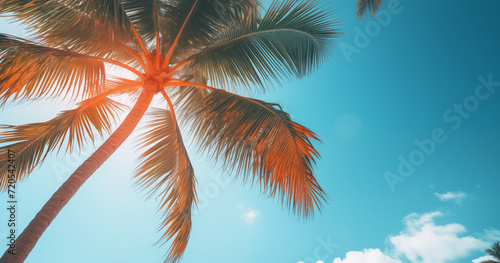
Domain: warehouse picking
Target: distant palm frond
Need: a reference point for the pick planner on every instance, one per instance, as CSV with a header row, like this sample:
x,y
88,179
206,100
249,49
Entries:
x,y
261,142
33,142
494,251
364,6
165,169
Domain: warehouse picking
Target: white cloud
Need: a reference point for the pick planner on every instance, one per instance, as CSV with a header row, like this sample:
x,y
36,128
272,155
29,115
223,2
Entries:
x,y
250,216
482,259
424,242
492,235
456,197
367,255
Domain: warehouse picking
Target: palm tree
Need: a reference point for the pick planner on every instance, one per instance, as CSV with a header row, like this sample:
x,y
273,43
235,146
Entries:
x,y
494,251
175,48
364,6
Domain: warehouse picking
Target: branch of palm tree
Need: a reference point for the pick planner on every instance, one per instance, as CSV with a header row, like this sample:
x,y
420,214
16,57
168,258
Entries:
x,y
138,59
156,19
188,98
261,142
171,107
176,40
92,27
143,14
28,70
364,6
292,39
494,251
119,64
33,142
147,15
141,44
20,54
165,169
121,86
203,25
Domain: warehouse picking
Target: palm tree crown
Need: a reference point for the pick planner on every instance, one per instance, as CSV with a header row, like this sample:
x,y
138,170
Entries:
x,y
194,53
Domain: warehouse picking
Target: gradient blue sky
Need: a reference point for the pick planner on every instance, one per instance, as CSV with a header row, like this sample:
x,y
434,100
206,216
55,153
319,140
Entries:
x,y
368,107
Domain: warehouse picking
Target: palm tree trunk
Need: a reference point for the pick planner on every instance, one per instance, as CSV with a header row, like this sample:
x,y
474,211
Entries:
x,y
28,238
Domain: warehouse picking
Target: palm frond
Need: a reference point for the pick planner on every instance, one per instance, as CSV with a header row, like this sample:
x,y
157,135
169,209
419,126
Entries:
x,y
203,25
364,6
146,15
494,251
92,27
259,141
187,99
165,169
292,39
119,86
30,71
33,142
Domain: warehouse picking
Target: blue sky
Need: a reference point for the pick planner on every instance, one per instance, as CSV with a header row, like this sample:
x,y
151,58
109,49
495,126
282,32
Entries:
x,y
425,76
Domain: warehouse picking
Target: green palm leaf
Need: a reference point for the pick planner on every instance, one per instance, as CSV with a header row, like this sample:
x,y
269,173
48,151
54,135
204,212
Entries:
x,y
261,142
30,71
32,142
291,39
165,169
